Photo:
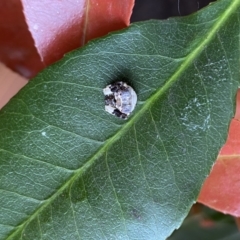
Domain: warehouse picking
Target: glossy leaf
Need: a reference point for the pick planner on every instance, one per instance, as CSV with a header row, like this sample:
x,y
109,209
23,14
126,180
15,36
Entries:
x,y
17,50
70,170
70,24
35,34
221,189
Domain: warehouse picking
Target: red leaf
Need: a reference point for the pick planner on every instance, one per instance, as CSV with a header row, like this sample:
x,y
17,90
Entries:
x,y
17,49
221,189
60,26
56,27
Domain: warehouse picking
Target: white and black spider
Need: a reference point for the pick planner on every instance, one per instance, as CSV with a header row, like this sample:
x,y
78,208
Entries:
x,y
120,99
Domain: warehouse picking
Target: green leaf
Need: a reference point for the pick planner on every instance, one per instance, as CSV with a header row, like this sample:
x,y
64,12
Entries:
x,y
69,170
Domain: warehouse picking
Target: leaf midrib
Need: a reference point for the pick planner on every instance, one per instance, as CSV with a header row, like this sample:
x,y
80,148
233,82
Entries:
x,y
188,60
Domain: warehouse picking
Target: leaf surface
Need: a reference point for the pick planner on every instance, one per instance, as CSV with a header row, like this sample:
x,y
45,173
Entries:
x,y
69,170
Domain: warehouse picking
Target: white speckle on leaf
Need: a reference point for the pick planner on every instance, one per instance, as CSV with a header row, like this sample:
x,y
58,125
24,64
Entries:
x,y
194,115
44,134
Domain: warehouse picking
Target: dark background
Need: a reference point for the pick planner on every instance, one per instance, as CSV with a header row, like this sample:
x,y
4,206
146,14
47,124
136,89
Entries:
x,y
162,9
